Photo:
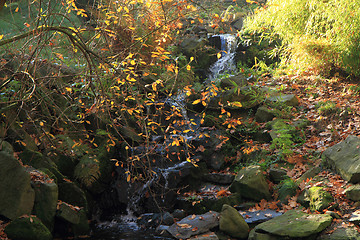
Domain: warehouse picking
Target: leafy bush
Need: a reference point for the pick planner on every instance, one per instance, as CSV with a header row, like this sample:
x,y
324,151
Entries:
x,y
315,34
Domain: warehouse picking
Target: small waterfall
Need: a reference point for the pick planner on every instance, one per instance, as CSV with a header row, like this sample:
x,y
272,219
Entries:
x,y
226,64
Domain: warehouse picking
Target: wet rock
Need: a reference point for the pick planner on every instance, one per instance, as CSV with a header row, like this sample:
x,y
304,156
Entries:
x,y
238,80
348,233
344,157
293,224
232,223
17,196
194,225
167,219
277,175
28,228
319,199
355,217
82,228
288,99
179,214
205,236
260,216
250,183
353,192
219,178
263,114
46,197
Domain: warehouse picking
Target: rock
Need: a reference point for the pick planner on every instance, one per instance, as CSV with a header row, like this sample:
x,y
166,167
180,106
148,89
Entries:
x,y
309,174
82,228
304,198
17,196
232,223
287,189
194,225
260,216
277,175
294,224
348,233
219,178
179,214
263,114
237,24
250,183
167,219
238,81
344,157
319,199
205,236
6,147
288,99
70,193
68,213
353,192
46,197
28,228
355,217
261,236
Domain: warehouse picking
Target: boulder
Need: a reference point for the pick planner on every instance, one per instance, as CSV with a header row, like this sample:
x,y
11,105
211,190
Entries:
x,y
70,193
68,213
238,81
194,225
82,228
288,188
263,114
348,233
46,197
256,217
355,217
219,178
353,192
277,175
287,99
294,224
232,223
17,196
27,228
250,183
344,157
6,147
205,236
319,199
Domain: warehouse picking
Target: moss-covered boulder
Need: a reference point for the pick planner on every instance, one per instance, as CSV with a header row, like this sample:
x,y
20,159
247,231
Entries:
x,y
264,114
353,192
294,224
27,228
68,213
320,199
17,196
82,228
46,197
6,147
232,223
288,188
250,183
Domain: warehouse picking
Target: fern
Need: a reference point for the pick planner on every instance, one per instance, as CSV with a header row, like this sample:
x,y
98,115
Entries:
x,y
87,171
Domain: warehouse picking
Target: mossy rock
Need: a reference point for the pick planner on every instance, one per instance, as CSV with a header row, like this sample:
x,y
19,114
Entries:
x,y
232,223
320,199
287,189
28,228
82,228
70,193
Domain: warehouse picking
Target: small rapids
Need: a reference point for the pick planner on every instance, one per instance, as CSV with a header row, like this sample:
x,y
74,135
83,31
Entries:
x,y
125,226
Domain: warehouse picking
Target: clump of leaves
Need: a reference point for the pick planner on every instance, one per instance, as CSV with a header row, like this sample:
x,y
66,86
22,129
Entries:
x,y
326,108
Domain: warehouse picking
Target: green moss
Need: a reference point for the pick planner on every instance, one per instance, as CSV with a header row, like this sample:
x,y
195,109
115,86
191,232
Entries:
x,y
28,228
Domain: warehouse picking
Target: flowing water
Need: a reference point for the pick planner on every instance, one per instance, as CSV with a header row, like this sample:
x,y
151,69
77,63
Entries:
x,y
125,226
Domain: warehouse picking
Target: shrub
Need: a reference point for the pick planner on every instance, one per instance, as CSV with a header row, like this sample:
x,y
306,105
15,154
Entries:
x,y
315,34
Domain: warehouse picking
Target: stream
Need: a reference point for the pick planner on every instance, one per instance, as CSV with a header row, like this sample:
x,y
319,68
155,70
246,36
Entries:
x,y
125,226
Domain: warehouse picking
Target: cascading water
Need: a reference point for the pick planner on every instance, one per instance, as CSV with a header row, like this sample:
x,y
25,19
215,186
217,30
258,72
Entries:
x,y
124,227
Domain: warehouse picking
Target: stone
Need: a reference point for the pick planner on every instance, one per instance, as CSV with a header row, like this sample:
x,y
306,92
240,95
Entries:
x,y
277,175
238,80
6,147
68,213
288,188
294,224
46,197
348,233
355,217
309,174
250,183
194,225
261,236
288,99
82,228
17,196
263,114
232,223
344,158
219,178
27,228
256,217
237,24
319,199
70,193
205,236
353,192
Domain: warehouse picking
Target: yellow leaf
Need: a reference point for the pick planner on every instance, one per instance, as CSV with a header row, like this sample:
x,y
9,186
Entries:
x,y
188,67
1,37
128,178
17,9
218,55
236,104
191,59
196,101
41,124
